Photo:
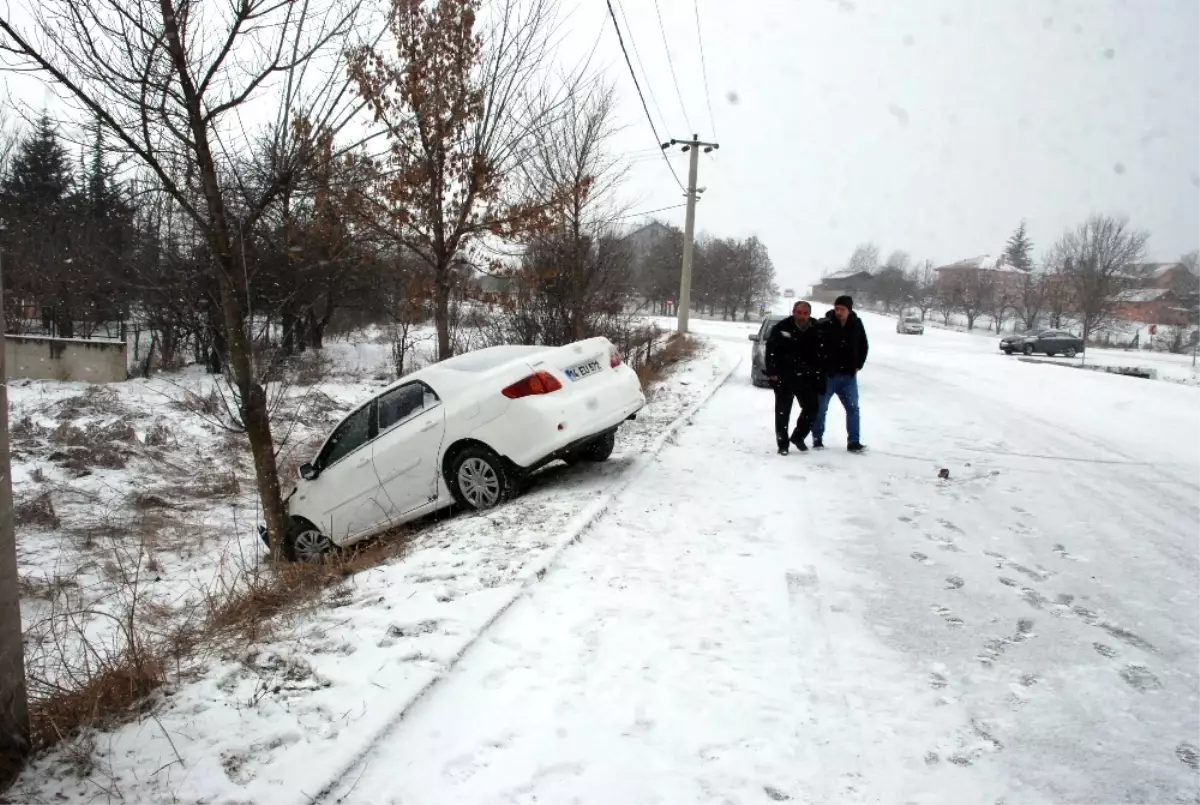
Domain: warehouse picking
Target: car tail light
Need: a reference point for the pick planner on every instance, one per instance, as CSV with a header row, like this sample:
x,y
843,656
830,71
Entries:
x,y
538,383
614,358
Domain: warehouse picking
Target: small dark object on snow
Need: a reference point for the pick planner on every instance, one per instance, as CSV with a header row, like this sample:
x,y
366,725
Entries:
x,y
775,794
944,474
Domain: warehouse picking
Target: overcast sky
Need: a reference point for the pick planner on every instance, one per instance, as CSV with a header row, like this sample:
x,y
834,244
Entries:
x,y
932,126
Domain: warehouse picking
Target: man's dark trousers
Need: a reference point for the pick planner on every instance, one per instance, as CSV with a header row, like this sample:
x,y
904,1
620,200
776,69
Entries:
x,y
786,390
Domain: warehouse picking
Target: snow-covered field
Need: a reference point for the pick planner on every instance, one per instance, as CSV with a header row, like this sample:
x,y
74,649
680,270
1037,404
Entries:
x,y
392,628
134,497
738,626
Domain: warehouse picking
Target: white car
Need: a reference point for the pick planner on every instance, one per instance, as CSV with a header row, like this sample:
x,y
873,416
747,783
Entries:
x,y
467,431
910,325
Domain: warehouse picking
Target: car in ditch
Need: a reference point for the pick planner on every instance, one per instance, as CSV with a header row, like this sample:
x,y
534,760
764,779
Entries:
x,y
758,353
1044,342
910,325
466,431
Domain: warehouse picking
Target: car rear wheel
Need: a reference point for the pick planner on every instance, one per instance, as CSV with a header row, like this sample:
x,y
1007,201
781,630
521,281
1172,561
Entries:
x,y
1028,349
1070,353
599,449
304,542
479,479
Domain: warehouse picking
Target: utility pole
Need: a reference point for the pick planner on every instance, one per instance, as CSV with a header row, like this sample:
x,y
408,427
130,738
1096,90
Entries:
x,y
689,227
14,702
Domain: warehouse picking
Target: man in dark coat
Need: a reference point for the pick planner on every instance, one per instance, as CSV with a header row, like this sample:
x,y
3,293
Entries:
x,y
845,342
795,367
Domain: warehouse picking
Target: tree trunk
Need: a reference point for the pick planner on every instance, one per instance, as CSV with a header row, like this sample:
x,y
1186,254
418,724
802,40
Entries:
x,y
441,315
252,396
287,343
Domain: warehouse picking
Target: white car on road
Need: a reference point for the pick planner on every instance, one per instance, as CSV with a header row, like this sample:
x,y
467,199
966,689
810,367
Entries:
x,y
467,431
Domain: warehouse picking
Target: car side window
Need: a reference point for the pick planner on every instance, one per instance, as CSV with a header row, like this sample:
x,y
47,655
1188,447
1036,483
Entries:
x,y
402,404
765,330
353,433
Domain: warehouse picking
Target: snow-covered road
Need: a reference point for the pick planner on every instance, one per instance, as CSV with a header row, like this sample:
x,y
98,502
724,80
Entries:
x,y
743,627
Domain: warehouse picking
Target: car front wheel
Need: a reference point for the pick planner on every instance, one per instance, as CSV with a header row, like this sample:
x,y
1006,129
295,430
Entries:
x,y
479,479
1028,349
1070,353
304,542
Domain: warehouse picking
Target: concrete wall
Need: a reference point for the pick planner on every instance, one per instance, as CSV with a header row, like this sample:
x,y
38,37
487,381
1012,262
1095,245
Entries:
x,y
41,358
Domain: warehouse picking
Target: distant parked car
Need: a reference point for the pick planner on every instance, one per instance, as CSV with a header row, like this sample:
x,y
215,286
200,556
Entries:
x,y
1047,342
467,430
758,353
910,325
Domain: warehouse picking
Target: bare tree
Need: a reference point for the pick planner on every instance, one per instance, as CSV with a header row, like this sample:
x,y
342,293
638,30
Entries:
x,y
1096,256
864,258
1000,302
898,260
576,258
974,292
923,281
1191,261
1032,297
456,107
891,288
168,81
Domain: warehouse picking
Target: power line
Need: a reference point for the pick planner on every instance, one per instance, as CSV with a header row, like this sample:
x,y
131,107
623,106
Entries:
x,y
637,57
671,63
704,70
647,212
638,87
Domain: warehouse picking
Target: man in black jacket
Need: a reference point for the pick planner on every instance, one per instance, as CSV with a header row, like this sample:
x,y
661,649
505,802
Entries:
x,y
795,366
845,341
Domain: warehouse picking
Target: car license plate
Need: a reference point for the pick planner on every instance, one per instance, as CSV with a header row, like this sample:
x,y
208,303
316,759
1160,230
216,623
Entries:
x,y
583,370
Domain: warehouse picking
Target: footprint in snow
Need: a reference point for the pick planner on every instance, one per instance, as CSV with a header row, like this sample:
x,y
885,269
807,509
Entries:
x,y
948,616
954,583
1139,677
1189,754
920,557
1104,651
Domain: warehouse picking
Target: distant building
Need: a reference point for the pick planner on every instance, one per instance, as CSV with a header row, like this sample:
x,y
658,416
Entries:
x,y
842,282
642,239
1152,306
1172,276
994,271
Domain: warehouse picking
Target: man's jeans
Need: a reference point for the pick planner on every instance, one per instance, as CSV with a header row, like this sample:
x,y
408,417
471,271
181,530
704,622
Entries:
x,y
846,389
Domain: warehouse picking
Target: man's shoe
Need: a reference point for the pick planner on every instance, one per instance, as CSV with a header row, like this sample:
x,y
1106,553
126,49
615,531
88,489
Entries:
x,y
818,444
799,444
855,447
783,450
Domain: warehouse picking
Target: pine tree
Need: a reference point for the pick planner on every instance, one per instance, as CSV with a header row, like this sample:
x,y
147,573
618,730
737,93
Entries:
x,y
40,174
1017,252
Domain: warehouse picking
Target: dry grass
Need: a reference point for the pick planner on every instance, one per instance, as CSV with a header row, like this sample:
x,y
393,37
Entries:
x,y
79,682
36,511
677,348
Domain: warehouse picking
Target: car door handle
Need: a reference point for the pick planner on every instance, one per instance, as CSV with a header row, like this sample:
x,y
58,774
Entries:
x,y
364,462
430,425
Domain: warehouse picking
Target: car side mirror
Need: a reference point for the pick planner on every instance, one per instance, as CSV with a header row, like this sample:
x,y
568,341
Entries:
x,y
754,337
308,472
